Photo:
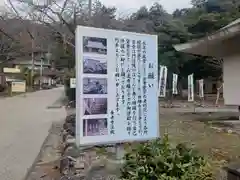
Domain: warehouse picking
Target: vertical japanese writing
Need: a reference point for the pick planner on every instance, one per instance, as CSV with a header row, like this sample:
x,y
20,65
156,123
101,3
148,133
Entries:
x,y
112,114
144,59
117,74
139,99
112,127
134,103
122,68
151,75
128,87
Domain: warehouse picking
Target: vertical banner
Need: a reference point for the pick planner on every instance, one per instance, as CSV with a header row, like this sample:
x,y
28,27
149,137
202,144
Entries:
x,y
162,81
190,88
174,84
117,86
201,88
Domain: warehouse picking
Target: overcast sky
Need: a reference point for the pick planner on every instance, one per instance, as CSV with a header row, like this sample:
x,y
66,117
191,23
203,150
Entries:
x,y
128,6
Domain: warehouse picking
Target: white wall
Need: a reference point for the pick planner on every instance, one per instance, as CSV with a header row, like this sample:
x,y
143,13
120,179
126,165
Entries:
x,y
231,77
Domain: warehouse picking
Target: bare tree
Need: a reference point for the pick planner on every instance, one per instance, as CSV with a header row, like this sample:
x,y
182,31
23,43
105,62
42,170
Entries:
x,y
62,17
10,45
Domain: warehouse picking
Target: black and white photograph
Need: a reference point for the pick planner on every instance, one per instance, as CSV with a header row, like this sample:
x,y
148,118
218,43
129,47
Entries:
x,y
94,66
95,127
94,106
94,86
94,45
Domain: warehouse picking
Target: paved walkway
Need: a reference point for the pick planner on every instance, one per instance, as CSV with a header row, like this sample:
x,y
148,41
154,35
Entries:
x,y
24,125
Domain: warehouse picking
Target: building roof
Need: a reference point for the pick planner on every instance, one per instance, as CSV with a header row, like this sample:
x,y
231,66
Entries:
x,y
202,46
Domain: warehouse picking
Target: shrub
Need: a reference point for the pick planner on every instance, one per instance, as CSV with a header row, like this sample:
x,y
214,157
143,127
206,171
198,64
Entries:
x,y
159,160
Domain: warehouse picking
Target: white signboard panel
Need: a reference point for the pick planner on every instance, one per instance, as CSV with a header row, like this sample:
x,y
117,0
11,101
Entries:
x,y
72,82
116,86
18,86
162,81
201,90
174,84
190,88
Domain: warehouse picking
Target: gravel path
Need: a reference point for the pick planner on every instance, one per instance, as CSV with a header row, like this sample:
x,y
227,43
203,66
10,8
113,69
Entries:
x,y
25,121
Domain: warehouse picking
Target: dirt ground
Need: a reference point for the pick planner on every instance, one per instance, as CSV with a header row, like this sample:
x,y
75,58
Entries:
x,y
188,128
196,130
213,140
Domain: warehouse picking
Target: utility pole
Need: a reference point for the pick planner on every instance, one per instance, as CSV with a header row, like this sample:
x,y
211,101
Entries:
x,y
32,35
33,62
89,9
41,72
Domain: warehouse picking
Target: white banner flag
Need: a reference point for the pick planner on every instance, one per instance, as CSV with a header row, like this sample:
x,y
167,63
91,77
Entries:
x,y
201,90
162,81
174,84
190,88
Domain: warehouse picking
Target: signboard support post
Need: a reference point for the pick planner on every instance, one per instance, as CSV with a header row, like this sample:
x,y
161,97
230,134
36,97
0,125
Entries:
x,y
171,100
119,152
202,101
194,107
117,149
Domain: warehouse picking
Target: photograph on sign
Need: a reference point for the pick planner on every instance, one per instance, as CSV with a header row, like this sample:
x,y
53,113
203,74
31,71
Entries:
x,y
94,85
162,81
95,106
95,127
190,88
174,84
94,45
117,86
94,65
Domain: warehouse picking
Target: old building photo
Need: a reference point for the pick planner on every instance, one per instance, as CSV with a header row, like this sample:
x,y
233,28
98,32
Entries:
x,y
94,66
93,106
95,127
94,86
94,45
